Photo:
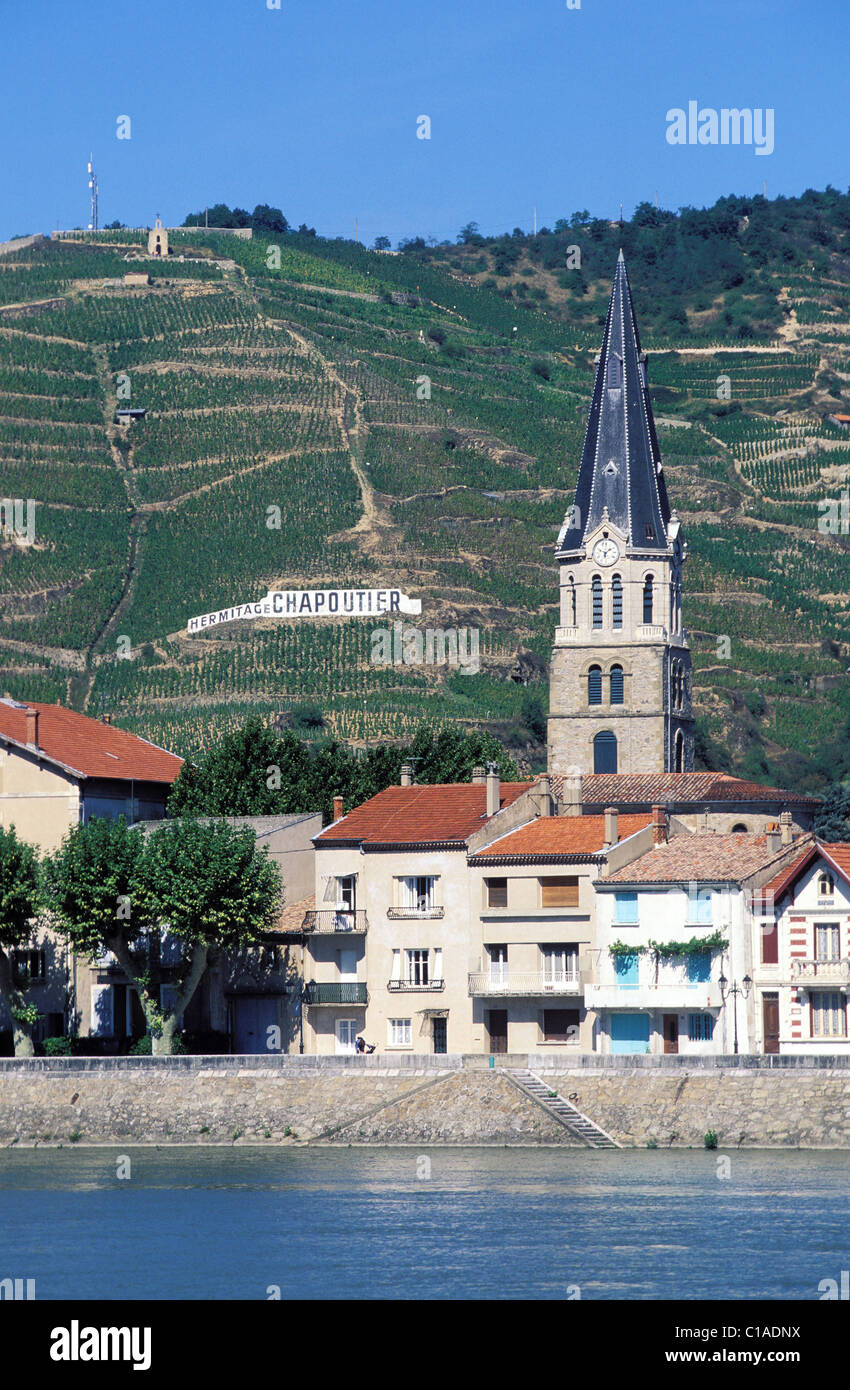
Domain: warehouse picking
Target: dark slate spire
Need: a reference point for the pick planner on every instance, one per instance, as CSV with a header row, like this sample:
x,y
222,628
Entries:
x,y
620,462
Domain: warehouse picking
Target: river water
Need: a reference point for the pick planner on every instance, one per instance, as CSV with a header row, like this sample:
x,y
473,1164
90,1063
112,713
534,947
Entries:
x,y
213,1223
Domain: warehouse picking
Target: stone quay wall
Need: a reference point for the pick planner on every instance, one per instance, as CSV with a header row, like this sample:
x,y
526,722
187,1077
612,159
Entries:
x,y
750,1102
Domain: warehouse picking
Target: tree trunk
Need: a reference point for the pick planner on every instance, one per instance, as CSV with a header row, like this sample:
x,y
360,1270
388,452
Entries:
x,y
13,999
162,1027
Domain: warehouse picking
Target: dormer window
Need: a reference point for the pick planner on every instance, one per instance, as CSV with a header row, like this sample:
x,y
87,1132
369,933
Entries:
x,y
650,532
826,886
615,372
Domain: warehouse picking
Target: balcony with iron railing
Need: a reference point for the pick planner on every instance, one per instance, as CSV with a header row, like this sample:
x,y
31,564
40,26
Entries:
x,y
503,983
334,920
413,987
653,985
809,973
344,992
415,914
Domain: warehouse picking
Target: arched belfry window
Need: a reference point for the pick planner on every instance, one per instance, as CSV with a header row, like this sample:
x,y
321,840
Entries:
x,y
594,685
680,752
596,595
605,751
616,600
571,600
647,599
616,685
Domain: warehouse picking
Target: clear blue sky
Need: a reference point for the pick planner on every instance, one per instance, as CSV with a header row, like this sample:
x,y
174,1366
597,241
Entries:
x,y
313,107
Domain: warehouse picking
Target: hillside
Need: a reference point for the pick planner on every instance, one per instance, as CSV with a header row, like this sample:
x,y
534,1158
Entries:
x,y
300,386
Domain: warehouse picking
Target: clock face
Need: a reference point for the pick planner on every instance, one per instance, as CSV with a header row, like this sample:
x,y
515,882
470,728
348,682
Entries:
x,y
606,552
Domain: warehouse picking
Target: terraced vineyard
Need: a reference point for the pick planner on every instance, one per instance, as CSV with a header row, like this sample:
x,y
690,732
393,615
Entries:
x,y
319,414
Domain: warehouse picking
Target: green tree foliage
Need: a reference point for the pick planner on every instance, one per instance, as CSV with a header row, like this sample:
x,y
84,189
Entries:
x,y
832,822
165,905
469,235
534,716
257,771
19,904
264,220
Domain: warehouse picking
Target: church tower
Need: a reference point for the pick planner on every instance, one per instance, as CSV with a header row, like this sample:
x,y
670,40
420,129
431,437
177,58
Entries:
x,y
620,679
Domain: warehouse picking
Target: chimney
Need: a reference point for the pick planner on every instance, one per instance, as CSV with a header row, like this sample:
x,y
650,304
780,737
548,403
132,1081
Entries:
x,y
543,796
493,788
407,774
571,795
659,825
337,808
785,828
610,826
479,777
32,728
771,835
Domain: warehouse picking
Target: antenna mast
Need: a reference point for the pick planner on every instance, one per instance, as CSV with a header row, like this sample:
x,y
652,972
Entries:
x,y
93,191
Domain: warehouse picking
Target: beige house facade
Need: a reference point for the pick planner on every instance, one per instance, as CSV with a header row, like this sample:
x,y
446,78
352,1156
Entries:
x,y
479,918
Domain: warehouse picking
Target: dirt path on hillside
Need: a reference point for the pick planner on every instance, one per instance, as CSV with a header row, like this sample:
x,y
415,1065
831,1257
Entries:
x,y
138,522
349,416
167,504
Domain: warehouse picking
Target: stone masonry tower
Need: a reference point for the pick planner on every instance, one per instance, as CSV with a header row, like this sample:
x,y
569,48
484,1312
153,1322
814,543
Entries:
x,y
620,680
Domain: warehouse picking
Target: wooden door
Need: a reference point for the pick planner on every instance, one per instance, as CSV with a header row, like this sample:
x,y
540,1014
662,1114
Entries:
x,y
497,1027
770,1017
671,1032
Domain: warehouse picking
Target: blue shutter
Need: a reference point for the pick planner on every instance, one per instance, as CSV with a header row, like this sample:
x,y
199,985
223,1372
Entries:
x,y
605,752
627,908
629,1033
626,970
699,967
617,601
596,590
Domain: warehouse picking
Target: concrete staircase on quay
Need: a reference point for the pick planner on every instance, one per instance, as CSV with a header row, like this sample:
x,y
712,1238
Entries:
x,y
563,1110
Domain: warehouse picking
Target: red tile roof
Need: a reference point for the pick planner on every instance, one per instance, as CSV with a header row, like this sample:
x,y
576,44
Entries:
x,y
712,858
838,855
88,746
291,917
556,835
650,788
782,881
420,815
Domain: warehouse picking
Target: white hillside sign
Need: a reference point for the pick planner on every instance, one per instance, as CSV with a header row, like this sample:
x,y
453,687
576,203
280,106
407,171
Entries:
x,y
312,603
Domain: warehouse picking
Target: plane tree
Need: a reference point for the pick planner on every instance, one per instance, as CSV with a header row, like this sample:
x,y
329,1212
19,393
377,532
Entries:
x,y
166,904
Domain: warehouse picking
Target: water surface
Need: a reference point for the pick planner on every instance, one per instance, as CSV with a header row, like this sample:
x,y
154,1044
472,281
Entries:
x,y
211,1223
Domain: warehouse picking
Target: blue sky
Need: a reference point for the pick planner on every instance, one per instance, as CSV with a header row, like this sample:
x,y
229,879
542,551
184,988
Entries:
x,y
314,107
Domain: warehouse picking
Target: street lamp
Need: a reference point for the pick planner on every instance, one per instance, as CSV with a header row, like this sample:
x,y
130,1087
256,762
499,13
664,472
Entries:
x,y
734,990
